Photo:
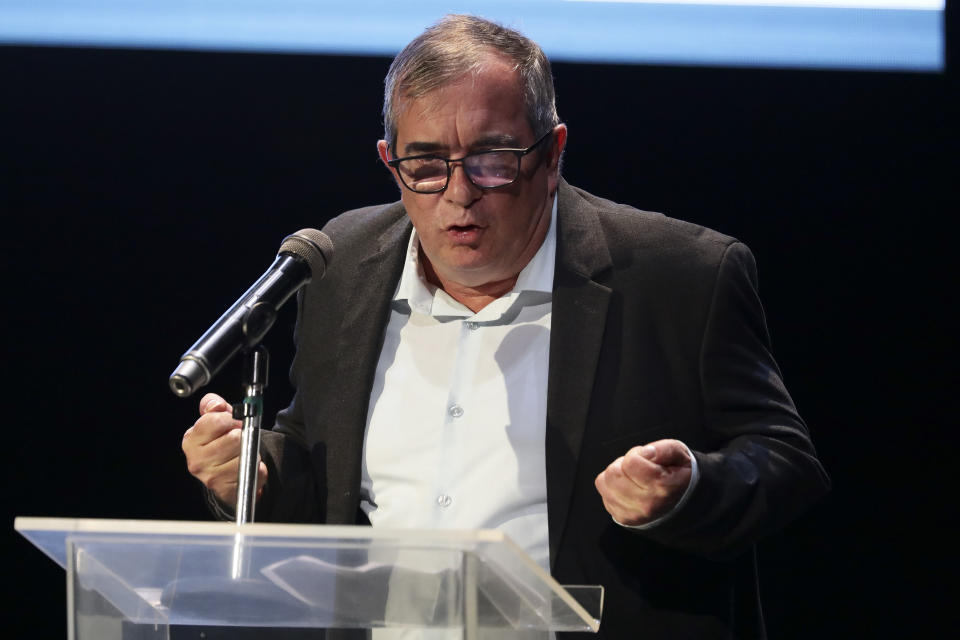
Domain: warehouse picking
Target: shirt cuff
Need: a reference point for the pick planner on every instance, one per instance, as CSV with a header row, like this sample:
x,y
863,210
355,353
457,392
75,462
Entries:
x,y
694,478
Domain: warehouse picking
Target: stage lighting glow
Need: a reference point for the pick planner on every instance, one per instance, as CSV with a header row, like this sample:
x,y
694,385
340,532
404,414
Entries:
x,y
846,34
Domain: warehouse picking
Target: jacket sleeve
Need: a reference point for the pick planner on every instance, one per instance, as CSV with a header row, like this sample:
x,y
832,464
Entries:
x,y
759,469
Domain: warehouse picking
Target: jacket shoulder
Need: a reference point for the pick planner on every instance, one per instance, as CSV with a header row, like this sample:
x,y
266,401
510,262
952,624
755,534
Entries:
x,y
629,229
659,227
364,224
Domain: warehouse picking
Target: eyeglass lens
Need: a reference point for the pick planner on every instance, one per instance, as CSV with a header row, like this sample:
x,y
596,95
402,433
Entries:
x,y
484,170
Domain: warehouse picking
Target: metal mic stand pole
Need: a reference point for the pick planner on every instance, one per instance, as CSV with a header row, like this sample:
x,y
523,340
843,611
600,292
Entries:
x,y
255,366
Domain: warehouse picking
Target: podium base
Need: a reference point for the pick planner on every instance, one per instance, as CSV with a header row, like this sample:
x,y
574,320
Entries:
x,y
186,632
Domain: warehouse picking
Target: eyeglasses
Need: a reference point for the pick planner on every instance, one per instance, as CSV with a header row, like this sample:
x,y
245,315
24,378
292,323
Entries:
x,y
488,169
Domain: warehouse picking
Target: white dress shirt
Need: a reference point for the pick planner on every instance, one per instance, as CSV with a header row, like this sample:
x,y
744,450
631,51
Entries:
x,y
455,435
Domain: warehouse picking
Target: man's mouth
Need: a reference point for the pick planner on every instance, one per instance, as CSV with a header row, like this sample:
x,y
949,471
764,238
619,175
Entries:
x,y
464,232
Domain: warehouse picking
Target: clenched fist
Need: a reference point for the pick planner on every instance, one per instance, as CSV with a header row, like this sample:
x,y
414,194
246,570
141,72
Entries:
x,y
212,447
646,483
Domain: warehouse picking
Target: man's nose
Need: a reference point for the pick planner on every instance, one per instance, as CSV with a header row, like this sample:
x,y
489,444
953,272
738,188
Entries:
x,y
460,190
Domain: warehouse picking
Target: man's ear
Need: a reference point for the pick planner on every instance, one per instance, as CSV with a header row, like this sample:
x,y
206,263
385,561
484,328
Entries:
x,y
556,154
384,150
557,144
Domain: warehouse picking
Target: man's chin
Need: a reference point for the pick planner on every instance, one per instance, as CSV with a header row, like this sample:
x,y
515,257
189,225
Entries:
x,y
475,273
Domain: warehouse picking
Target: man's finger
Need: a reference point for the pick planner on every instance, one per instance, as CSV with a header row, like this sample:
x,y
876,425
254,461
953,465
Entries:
x,y
222,450
617,485
208,458
667,453
210,427
639,469
623,499
212,402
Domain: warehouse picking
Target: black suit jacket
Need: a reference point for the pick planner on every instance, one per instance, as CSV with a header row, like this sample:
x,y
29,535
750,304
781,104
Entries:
x,y
657,331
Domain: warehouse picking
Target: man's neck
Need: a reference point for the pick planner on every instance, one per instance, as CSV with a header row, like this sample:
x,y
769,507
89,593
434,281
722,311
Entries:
x,y
473,298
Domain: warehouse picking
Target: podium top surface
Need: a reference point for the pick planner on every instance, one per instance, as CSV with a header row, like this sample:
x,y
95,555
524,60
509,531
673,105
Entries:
x,y
50,534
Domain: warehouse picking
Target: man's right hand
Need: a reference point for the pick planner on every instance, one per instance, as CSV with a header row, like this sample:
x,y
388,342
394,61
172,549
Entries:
x,y
212,447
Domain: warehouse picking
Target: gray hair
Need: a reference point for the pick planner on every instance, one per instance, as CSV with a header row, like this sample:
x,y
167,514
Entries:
x,y
457,45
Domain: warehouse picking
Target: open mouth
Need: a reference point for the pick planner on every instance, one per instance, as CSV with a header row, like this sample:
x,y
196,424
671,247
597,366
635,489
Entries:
x,y
467,233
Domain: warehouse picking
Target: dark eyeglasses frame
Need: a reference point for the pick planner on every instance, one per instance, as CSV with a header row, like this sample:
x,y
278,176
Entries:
x,y
520,153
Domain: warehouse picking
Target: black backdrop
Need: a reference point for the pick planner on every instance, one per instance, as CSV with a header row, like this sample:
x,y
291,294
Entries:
x,y
142,191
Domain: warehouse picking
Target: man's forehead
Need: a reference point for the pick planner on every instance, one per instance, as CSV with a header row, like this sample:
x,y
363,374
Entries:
x,y
492,79
486,107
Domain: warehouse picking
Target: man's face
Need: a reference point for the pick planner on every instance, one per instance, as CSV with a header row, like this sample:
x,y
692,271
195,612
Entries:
x,y
471,236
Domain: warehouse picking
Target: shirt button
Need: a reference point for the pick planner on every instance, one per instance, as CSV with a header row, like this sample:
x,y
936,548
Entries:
x,y
444,500
456,411
472,326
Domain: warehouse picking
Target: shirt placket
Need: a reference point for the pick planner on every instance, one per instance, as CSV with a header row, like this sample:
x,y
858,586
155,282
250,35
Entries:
x,y
460,416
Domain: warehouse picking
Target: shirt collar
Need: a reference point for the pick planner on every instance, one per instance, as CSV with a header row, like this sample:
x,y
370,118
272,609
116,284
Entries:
x,y
425,298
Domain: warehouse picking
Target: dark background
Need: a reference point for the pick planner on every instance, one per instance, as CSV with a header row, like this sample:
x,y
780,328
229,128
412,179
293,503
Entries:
x,y
141,192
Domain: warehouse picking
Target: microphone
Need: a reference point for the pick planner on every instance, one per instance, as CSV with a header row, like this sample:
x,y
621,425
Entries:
x,y
303,255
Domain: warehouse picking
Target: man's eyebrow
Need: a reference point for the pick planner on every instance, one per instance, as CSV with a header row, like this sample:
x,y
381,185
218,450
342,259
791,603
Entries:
x,y
494,141
500,140
415,148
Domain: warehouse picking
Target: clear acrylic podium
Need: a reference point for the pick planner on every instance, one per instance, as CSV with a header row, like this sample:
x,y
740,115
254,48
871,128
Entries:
x,y
133,579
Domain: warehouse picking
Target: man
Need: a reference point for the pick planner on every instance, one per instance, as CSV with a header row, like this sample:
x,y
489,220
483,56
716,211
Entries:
x,y
503,350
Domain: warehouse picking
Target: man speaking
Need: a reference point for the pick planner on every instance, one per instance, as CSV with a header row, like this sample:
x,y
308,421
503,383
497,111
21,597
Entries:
x,y
502,350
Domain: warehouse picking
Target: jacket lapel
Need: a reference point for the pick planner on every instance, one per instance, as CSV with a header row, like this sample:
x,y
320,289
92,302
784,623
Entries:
x,y
366,313
577,326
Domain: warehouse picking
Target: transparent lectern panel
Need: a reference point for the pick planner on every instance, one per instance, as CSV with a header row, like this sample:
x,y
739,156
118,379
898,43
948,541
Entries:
x,y
259,575
240,580
526,597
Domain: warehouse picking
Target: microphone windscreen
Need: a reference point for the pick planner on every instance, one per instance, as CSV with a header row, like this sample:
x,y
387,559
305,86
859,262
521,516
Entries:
x,y
314,247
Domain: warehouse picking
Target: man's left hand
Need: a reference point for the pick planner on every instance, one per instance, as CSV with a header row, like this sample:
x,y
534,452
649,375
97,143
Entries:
x,y
646,483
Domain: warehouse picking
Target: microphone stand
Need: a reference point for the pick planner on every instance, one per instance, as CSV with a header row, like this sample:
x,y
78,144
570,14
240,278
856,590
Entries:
x,y
255,367
256,363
